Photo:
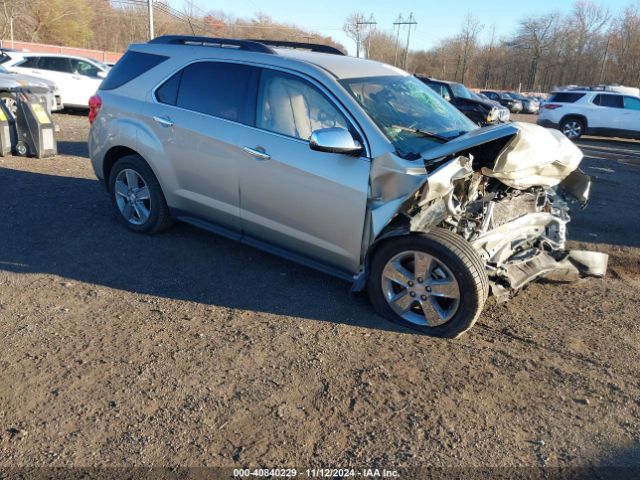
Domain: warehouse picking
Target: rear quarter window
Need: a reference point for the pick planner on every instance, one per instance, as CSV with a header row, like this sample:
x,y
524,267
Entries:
x,y
131,65
613,101
565,97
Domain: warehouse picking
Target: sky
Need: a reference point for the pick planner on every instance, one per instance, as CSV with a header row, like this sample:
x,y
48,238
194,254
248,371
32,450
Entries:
x,y
436,19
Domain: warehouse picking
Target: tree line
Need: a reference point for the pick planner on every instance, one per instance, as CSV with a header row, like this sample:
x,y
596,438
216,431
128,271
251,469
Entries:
x,y
113,24
588,45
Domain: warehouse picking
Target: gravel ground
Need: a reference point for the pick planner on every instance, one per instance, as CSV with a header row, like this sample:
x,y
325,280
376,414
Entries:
x,y
189,349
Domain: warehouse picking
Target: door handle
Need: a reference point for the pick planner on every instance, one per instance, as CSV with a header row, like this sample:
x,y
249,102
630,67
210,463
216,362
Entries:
x,y
164,121
257,154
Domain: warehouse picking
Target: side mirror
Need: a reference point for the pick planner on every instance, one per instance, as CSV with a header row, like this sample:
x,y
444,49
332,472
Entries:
x,y
102,74
334,140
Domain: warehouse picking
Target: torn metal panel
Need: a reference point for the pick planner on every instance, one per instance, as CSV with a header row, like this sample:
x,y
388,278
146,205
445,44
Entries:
x,y
392,181
578,185
592,264
535,157
503,202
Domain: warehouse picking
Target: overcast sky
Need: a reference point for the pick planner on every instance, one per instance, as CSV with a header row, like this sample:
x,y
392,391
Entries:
x,y
436,19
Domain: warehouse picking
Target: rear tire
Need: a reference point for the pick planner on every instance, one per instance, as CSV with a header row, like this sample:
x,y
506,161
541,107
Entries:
x,y
136,196
442,300
572,127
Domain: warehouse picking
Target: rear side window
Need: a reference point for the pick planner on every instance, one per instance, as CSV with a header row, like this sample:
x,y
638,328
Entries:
x,y
219,89
130,66
612,101
29,62
565,97
55,64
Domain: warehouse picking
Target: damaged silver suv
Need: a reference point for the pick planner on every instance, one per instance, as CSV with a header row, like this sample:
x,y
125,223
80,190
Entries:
x,y
349,166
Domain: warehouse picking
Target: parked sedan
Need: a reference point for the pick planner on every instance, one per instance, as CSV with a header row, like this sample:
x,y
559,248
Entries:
x,y
529,105
505,114
479,111
12,81
514,105
77,77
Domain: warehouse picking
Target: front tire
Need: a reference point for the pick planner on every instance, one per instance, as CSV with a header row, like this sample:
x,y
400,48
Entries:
x,y
434,283
136,196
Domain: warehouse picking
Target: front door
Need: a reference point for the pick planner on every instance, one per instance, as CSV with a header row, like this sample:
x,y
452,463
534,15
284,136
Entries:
x,y
304,201
631,115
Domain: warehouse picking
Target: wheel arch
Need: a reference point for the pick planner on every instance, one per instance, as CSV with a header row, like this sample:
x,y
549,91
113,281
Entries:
x,y
113,155
398,227
577,116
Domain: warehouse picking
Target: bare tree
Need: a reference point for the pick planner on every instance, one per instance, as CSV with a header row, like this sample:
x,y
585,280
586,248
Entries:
x,y
471,28
354,29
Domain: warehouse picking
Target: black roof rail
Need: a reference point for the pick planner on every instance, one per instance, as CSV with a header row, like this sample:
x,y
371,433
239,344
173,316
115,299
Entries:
x,y
248,45
314,47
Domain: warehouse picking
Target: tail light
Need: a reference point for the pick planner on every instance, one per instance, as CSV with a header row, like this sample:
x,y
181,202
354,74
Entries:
x,y
551,106
95,102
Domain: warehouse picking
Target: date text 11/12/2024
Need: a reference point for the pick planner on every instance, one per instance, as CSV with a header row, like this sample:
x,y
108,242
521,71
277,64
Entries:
x,y
316,473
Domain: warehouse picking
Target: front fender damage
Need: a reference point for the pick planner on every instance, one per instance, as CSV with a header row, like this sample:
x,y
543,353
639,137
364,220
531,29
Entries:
x,y
506,190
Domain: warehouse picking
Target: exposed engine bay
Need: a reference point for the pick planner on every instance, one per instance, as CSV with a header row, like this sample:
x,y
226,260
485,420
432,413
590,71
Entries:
x,y
506,190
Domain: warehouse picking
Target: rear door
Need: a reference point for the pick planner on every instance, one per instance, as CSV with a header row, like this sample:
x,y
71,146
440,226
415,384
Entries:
x,y
608,113
200,117
58,69
307,202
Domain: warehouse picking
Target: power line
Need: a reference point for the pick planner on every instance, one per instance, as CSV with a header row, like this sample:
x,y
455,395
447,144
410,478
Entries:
x,y
409,22
370,23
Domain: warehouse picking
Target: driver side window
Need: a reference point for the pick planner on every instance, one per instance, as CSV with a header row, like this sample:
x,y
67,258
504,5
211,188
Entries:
x,y
292,106
81,67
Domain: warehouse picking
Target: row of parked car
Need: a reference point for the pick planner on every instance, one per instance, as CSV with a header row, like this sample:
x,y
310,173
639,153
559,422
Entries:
x,y
65,80
486,107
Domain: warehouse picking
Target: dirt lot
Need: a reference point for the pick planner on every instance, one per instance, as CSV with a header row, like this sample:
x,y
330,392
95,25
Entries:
x,y
189,349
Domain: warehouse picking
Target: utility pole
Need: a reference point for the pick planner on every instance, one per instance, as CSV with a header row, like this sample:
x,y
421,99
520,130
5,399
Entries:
x,y
604,60
11,28
399,21
150,5
409,23
371,22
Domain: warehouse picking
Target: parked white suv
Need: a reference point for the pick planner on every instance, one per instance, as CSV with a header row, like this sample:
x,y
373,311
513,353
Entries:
x,y
77,77
592,112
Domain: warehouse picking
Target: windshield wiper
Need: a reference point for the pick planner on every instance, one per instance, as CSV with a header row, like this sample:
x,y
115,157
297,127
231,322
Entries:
x,y
423,133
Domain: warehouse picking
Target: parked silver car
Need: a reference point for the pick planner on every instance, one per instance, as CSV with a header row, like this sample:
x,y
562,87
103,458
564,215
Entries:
x,y
10,82
348,165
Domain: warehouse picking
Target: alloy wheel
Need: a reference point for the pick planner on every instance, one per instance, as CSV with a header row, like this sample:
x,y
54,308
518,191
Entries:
x,y
132,197
420,288
572,129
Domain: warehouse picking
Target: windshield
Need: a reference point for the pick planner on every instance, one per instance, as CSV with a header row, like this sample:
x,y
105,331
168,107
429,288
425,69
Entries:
x,y
411,115
460,90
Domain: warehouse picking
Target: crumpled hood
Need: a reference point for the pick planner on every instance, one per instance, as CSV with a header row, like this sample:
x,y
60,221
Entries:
x,y
535,156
